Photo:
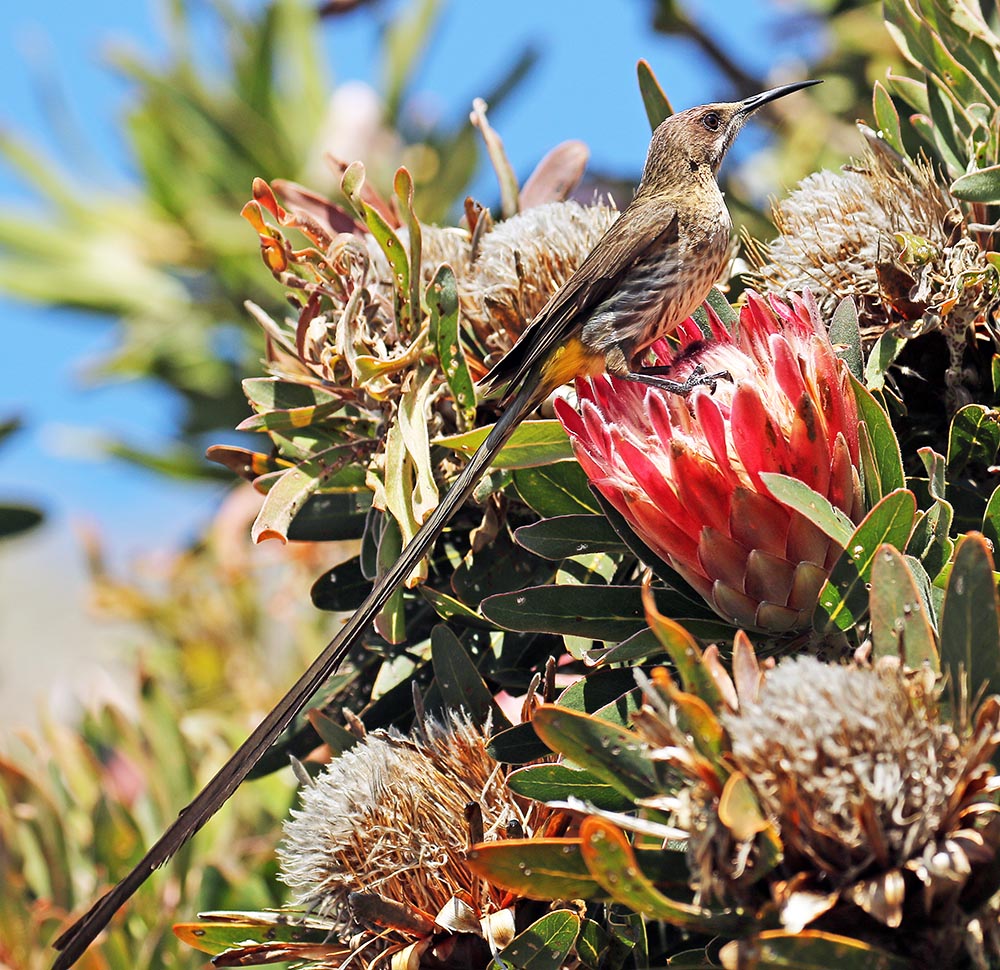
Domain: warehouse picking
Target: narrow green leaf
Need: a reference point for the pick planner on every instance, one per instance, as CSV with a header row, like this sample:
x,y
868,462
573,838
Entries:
x,y
900,623
609,613
403,187
886,475
569,535
884,352
561,488
445,334
656,103
613,865
843,601
458,679
550,783
536,868
533,443
391,621
330,517
616,756
845,334
818,950
970,617
223,931
453,610
338,739
991,519
887,118
272,394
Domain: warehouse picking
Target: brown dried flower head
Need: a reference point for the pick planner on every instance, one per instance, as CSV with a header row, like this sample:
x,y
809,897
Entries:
x,y
872,816
885,233
385,827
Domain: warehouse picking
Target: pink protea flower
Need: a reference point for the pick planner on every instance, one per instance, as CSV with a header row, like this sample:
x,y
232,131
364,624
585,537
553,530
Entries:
x,y
685,472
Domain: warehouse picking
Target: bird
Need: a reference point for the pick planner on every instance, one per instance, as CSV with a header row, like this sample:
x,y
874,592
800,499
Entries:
x,y
651,270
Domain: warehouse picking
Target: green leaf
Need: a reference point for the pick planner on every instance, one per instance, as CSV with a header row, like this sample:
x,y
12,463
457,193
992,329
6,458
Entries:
x,y
609,613
882,459
843,601
884,352
402,185
618,757
338,739
536,868
391,620
900,622
982,185
970,618
499,567
569,535
223,931
533,443
445,334
544,945
887,118
453,610
288,497
558,489
798,496
593,946
974,436
330,517
845,333
458,679
656,103
551,783
341,589
991,519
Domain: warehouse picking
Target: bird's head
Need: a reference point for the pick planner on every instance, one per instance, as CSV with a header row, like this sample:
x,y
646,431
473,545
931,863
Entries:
x,y
698,139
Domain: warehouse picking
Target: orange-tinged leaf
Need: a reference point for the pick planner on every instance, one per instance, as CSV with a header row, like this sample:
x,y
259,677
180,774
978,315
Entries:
x,y
609,856
683,650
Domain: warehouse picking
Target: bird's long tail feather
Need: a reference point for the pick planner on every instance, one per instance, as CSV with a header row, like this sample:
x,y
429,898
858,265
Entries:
x,y
78,937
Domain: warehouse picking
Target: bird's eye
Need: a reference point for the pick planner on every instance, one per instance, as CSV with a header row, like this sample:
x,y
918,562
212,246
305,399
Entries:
x,y
711,121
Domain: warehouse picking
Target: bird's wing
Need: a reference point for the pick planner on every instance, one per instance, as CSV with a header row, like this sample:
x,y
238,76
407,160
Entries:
x,y
622,246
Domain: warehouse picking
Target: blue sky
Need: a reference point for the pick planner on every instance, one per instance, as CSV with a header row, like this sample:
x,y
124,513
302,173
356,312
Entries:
x,y
583,87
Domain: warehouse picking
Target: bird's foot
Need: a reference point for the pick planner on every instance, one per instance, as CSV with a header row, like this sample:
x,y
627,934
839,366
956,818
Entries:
x,y
697,378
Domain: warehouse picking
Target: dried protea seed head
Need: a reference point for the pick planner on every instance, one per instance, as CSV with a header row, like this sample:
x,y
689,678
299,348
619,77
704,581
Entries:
x,y
389,817
879,817
886,234
522,261
833,750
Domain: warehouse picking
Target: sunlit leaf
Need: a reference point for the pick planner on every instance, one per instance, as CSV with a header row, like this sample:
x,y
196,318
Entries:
x,y
899,618
545,944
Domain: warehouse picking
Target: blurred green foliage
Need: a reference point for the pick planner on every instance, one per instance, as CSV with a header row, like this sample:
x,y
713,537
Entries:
x,y
78,805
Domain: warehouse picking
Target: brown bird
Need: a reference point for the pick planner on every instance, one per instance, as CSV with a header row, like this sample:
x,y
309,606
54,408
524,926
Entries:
x,y
650,271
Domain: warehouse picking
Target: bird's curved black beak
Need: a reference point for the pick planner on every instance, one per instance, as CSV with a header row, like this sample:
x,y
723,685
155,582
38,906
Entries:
x,y
753,103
